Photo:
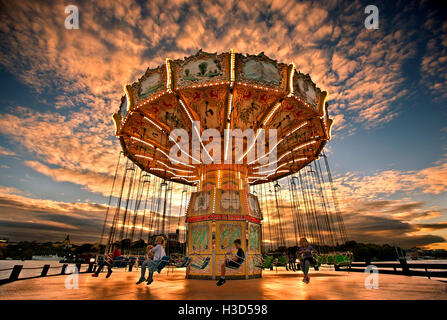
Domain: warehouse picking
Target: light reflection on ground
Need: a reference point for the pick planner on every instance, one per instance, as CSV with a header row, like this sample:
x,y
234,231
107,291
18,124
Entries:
x,y
281,284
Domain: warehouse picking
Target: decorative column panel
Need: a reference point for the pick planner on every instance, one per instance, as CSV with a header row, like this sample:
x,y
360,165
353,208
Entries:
x,y
220,213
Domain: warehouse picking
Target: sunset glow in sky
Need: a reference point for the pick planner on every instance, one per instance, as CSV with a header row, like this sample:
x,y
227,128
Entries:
x,y
387,95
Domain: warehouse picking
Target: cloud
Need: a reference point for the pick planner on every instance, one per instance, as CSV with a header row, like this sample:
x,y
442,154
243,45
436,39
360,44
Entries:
x,y
433,226
391,222
78,142
79,75
6,152
430,180
92,181
362,70
373,214
433,67
25,218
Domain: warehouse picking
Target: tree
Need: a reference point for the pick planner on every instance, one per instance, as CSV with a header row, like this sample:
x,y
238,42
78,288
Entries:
x,y
203,66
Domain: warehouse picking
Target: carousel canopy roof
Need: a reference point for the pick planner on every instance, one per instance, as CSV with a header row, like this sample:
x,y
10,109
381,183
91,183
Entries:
x,y
222,91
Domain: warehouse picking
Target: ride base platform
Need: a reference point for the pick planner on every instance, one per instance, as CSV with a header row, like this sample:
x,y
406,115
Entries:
x,y
274,285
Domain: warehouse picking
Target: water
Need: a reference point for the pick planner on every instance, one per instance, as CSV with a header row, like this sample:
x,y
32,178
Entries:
x,y
438,261
55,267
410,262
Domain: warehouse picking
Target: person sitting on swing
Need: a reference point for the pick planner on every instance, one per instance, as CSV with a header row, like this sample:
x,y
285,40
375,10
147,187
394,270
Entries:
x,y
144,265
306,251
157,253
108,261
233,262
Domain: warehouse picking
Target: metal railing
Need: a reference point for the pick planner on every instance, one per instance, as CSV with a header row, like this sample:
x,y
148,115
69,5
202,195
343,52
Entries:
x,y
17,269
91,267
401,267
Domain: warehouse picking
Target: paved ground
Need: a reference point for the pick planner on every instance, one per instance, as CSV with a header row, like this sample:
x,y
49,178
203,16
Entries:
x,y
325,284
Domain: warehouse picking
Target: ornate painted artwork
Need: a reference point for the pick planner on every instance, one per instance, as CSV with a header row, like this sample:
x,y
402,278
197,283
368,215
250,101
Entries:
x,y
254,236
200,236
297,138
304,88
206,89
168,111
123,107
284,119
249,105
201,202
150,85
198,260
230,201
252,262
229,180
208,103
228,232
229,271
201,69
261,71
208,185
136,126
230,184
253,204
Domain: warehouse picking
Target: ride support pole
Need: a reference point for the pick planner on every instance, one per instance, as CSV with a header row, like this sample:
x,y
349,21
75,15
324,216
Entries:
x,y
15,272
90,267
404,265
45,269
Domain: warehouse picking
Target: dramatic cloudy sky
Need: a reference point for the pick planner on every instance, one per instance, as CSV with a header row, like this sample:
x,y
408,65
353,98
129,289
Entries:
x,y
387,94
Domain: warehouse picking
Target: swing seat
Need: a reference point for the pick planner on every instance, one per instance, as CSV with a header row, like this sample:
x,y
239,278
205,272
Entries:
x,y
141,260
282,261
163,262
132,261
315,263
342,260
158,265
119,262
202,266
234,267
184,263
266,263
237,263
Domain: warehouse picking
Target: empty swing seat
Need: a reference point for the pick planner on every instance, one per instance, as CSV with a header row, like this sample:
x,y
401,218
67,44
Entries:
x,y
184,263
266,263
201,266
282,261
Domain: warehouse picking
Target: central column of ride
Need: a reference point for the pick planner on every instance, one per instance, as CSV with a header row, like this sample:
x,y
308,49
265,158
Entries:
x,y
221,211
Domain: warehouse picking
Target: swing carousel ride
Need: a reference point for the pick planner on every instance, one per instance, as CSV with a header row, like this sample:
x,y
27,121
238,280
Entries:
x,y
221,193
